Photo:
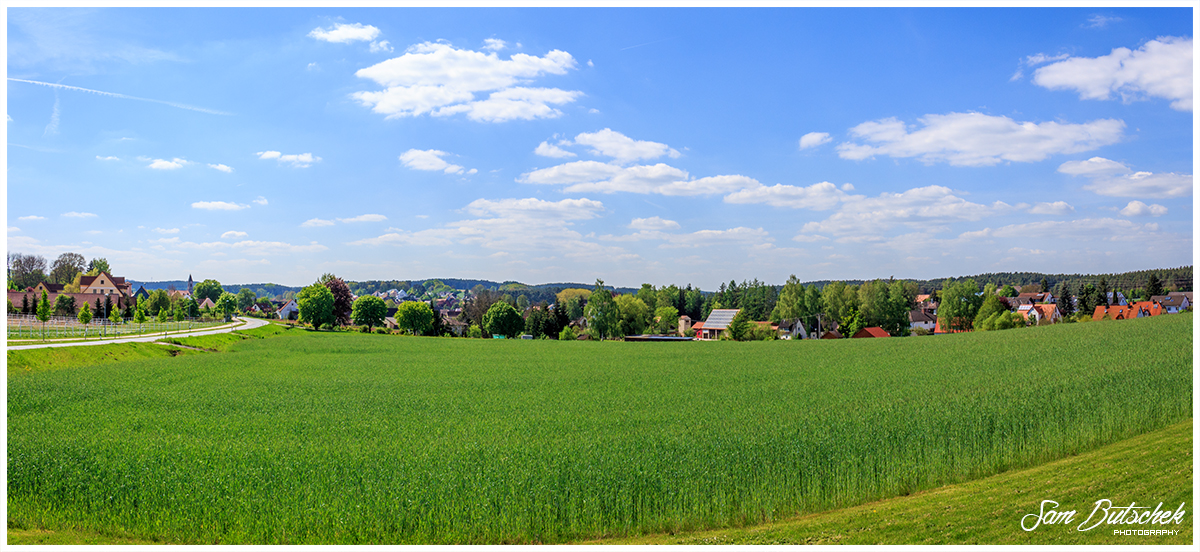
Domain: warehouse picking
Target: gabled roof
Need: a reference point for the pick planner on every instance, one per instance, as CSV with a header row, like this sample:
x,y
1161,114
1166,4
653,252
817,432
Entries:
x,y
1169,300
874,331
719,319
920,317
831,334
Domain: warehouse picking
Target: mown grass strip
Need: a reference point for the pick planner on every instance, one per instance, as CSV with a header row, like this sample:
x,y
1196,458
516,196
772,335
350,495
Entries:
x,y
31,361
224,341
1153,468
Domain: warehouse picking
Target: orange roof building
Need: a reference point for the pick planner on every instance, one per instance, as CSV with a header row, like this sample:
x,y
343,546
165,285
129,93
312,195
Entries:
x,y
874,331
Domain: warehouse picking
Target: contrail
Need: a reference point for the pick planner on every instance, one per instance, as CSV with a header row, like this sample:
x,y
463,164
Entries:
x,y
646,44
102,93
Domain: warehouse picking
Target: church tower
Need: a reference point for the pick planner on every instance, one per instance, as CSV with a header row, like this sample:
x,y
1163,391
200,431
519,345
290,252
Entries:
x,y
189,284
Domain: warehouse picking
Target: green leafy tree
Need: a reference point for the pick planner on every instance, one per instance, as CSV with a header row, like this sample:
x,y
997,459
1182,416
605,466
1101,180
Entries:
x,y
162,316
959,305
245,299
539,321
988,312
369,311
98,265
227,304
648,295
66,266
178,313
503,319
190,307
43,312
665,319
158,301
11,309
1045,286
668,296
739,327
474,331
416,317
522,302
790,304
85,314
114,316
567,334
316,305
64,305
1009,291
208,289
634,315
139,316
574,306
852,324
603,315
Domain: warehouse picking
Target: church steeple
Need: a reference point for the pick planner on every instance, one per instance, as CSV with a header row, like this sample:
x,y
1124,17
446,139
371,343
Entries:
x,y
189,284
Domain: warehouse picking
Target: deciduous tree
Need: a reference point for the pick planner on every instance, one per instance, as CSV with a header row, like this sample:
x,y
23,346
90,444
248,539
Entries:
x,y
343,300
66,266
503,319
369,311
416,317
245,299
603,315
208,289
98,265
634,315
959,305
316,305
85,314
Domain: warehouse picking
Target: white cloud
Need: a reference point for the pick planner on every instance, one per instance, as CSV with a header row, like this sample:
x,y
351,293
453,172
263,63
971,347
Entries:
x,y
975,139
1104,229
166,230
219,206
814,139
1139,209
621,148
298,160
74,214
234,234
316,222
819,197
545,149
653,223
12,229
1056,208
430,160
436,78
162,164
345,33
532,208
493,44
919,208
109,158
1113,179
221,167
1101,21
1161,68
364,218
260,200
31,217
381,46
249,247
607,178
312,66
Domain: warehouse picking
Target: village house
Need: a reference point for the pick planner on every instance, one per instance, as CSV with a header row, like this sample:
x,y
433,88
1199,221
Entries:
x,y
717,322
1174,303
1036,313
921,318
1140,309
874,331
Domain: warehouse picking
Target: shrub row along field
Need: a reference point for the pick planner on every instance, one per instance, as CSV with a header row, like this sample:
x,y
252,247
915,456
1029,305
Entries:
x,y
352,438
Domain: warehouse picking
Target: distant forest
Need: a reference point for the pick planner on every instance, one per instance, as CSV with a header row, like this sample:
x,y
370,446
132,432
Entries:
x,y
1177,279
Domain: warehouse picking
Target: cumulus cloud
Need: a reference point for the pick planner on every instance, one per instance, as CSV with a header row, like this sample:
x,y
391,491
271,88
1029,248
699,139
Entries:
x,y
546,149
219,206
1139,209
814,139
260,200
221,167
1161,68
234,234
31,217
345,33
663,179
167,230
298,160
164,165
437,79
621,148
381,46
75,214
493,44
1113,179
364,218
920,208
1056,208
653,223
108,158
819,197
975,139
1103,229
431,160
316,222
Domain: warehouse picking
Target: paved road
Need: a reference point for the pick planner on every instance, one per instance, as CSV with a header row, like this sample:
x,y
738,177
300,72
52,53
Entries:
x,y
250,323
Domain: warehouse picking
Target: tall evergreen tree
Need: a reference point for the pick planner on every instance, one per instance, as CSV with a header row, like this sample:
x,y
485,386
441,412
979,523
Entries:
x,y
1153,286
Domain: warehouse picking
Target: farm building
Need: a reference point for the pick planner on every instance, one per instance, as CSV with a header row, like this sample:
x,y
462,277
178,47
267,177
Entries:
x,y
831,334
718,321
874,331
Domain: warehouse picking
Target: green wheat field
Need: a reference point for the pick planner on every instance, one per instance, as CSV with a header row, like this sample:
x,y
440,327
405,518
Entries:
x,y
306,437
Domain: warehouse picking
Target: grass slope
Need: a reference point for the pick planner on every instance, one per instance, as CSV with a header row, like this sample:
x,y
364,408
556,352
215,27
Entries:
x,y
225,341
1153,468
351,438
30,361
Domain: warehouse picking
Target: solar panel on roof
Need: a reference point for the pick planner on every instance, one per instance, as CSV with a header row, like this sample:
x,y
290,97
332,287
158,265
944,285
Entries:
x,y
719,319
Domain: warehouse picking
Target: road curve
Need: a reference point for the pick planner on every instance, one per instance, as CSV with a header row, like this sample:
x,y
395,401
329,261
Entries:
x,y
248,324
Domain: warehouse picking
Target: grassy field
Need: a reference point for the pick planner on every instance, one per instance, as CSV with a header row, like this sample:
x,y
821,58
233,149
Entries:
x,y
1149,469
351,438
41,360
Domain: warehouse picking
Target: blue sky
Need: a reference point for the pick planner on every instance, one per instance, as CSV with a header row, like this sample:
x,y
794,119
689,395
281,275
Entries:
x,y
634,145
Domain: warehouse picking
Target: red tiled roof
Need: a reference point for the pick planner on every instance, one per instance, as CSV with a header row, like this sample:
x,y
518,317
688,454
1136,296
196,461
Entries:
x,y
874,331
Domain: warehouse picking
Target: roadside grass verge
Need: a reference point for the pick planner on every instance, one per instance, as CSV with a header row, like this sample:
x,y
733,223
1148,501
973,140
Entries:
x,y
31,361
223,342
1152,468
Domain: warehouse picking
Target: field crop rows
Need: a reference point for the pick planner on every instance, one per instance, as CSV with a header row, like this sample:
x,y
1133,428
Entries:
x,y
352,438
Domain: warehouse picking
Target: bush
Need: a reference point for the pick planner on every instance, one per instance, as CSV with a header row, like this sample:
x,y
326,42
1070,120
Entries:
x,y
381,331
567,334
474,331
690,332
922,331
